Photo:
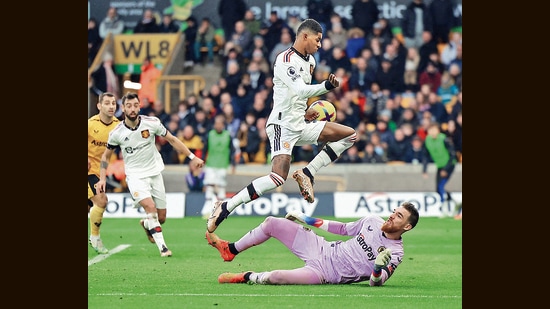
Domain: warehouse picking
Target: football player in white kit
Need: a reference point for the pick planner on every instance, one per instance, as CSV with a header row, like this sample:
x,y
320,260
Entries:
x,y
291,124
143,165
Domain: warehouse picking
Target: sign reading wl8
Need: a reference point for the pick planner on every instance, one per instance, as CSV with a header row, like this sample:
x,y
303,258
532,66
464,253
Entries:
x,y
131,49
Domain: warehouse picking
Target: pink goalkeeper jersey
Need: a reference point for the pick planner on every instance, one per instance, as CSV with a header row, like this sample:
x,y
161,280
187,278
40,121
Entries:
x,y
353,260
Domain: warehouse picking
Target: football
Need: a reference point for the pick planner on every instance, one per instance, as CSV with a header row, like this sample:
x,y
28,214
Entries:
x,y
326,110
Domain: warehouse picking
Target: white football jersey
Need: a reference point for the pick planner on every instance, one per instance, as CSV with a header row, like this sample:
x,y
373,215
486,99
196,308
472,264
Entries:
x,y
139,152
292,75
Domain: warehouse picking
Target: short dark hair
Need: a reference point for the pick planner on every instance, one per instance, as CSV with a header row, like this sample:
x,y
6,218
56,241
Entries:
x,y
310,25
130,96
106,94
413,219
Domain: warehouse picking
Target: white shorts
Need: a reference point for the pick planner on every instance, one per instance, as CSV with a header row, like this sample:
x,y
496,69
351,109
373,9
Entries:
x,y
153,187
214,176
282,139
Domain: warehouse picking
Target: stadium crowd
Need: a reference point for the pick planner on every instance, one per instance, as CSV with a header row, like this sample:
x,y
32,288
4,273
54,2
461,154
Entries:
x,y
393,85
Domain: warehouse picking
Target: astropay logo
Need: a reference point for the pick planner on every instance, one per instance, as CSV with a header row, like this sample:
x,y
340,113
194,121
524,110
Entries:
x,y
278,204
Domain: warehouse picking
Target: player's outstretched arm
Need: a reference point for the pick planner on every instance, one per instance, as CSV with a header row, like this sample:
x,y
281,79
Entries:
x,y
180,147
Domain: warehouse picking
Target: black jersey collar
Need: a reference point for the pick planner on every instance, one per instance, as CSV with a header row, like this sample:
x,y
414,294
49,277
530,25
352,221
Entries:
x,y
306,58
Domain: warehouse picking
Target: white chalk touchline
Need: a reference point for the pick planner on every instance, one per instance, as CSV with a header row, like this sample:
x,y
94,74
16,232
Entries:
x,y
101,257
271,295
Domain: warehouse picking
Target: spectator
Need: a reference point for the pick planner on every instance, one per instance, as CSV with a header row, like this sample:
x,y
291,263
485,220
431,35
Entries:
x,y
111,24
104,78
431,76
192,141
408,116
251,23
284,44
411,69
442,14
160,113
438,110
272,29
257,51
145,107
351,155
231,11
168,25
380,147
372,61
94,40
447,91
456,73
429,47
375,102
205,38
184,114
398,146
457,108
364,14
362,76
149,78
416,20
293,20
241,37
378,31
339,59
257,76
415,153
350,110
386,77
356,41
148,23
454,131
202,124
371,155
337,33
190,37
320,10
323,54
167,152
458,58
195,179
449,51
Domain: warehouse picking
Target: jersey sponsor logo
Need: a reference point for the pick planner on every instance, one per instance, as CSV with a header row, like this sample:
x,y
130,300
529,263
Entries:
x,y
145,133
99,143
366,247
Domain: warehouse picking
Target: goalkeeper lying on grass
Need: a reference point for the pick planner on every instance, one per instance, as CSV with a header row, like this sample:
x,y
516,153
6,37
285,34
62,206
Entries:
x,y
373,253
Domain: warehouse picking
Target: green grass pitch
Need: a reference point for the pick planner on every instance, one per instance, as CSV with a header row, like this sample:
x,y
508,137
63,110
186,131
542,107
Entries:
x,y
134,275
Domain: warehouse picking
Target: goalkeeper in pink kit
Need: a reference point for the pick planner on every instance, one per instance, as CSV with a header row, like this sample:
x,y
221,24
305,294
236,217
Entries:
x,y
373,253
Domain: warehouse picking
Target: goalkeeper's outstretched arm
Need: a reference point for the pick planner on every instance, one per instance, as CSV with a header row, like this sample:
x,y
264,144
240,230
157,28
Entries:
x,y
334,227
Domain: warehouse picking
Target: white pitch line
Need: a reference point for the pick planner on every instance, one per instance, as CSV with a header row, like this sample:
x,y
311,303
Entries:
x,y
101,257
271,295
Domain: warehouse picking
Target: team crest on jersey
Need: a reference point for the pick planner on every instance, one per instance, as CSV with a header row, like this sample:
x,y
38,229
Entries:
x,y
136,194
286,145
291,71
381,248
145,133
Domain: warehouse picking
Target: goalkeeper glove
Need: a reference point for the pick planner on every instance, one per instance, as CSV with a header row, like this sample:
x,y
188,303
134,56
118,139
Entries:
x,y
382,260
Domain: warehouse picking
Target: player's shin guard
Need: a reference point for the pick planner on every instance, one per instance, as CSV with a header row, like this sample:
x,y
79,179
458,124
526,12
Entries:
x,y
330,153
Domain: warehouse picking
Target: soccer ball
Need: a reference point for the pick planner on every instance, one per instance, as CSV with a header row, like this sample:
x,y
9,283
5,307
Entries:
x,y
326,110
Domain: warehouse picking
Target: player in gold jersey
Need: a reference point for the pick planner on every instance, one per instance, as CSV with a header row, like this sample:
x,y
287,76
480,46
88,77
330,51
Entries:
x,y
99,127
